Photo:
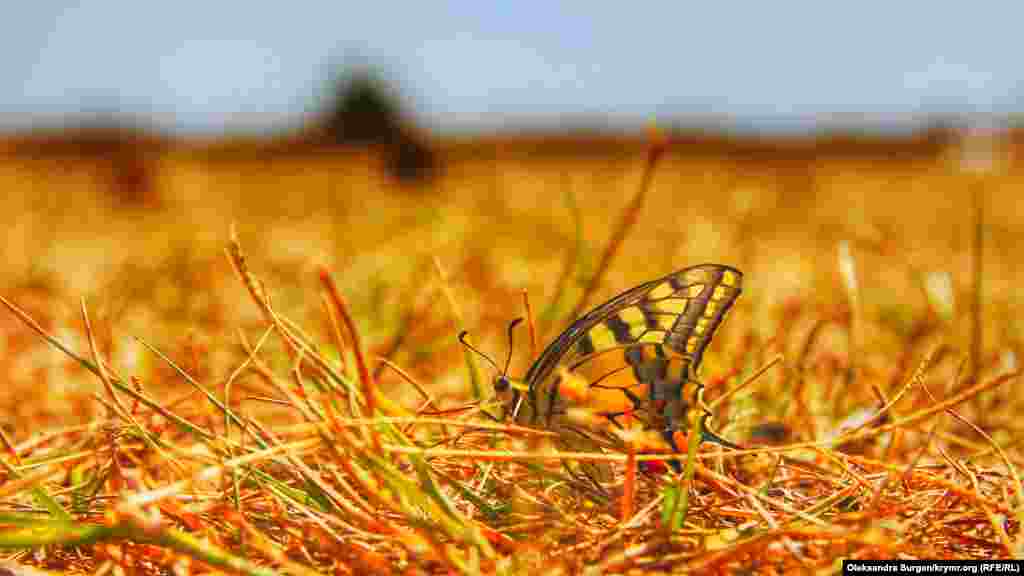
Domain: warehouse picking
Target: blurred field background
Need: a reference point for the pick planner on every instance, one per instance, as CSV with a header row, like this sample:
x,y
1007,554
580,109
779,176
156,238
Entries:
x,y
137,224
880,270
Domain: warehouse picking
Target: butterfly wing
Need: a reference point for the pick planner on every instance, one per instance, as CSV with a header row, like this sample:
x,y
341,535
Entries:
x,y
639,352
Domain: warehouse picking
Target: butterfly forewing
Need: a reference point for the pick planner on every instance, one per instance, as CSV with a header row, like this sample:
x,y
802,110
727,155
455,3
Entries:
x,y
639,351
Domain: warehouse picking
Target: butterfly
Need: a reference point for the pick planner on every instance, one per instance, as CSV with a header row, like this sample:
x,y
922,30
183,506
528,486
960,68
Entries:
x,y
638,354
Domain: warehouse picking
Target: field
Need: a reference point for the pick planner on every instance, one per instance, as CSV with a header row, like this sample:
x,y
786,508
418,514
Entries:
x,y
250,361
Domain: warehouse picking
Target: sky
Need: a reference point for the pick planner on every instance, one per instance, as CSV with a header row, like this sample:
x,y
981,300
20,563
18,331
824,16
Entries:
x,y
192,66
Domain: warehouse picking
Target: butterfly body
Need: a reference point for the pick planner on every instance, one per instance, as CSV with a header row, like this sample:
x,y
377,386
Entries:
x,y
637,355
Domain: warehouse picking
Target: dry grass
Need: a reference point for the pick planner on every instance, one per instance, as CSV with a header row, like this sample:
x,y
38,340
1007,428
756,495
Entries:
x,y
291,397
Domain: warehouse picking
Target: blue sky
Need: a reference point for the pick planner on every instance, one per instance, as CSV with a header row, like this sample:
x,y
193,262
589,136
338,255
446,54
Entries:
x,y
207,66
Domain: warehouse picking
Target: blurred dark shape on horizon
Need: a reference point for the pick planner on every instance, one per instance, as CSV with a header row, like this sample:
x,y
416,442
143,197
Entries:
x,y
365,111
125,153
362,112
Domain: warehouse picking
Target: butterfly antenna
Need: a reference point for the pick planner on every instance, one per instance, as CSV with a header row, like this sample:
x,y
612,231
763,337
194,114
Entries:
x,y
511,328
462,340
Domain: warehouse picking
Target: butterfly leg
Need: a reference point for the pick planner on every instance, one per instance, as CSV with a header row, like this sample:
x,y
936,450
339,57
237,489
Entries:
x,y
669,434
686,411
706,435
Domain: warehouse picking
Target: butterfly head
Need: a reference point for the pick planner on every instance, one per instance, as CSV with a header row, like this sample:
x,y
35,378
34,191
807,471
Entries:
x,y
504,390
508,392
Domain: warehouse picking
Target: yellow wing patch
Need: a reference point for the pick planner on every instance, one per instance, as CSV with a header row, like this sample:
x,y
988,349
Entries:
x,y
601,337
633,316
730,278
669,305
661,291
